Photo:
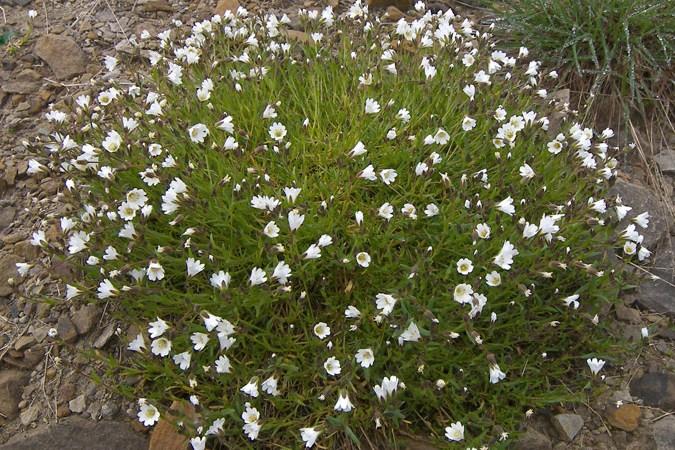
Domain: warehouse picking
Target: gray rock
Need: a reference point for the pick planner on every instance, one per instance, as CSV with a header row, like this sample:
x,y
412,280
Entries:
x,y
666,161
655,389
66,329
664,433
62,54
658,295
78,404
568,425
75,433
642,199
533,440
105,336
29,415
85,318
109,409
11,385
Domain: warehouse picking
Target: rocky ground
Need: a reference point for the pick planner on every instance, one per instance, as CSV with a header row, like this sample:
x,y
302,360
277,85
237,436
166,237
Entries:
x,y
47,398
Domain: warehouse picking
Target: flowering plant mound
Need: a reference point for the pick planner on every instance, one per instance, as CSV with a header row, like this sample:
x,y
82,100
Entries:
x,y
332,242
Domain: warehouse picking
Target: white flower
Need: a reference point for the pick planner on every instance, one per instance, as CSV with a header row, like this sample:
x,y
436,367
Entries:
x,y
295,219
455,432
526,172
387,388
324,241
368,173
137,344
282,272
464,266
431,210
351,312
161,347
313,252
148,415
34,167
363,259
385,303
32,14
410,334
332,366
343,403
271,230
277,131
372,107
365,357
493,279
182,360
199,341
250,414
642,219
155,271
506,206
23,268
292,194
157,328
358,150
198,443
388,176
496,375
403,115
223,364
198,133
194,266
270,386
468,123
470,91
251,388
257,277
270,112
321,330
112,141
220,280
386,211
225,124
106,290
309,436
463,293
110,63
504,258
595,365
39,238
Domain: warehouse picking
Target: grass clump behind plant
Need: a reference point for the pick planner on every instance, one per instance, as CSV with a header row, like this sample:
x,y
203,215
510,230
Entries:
x,y
618,47
371,233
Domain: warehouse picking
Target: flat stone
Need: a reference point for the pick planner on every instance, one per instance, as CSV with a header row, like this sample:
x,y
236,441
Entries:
x,y
105,336
642,199
664,433
11,384
29,415
76,433
66,329
655,389
85,318
625,314
20,87
78,404
6,216
657,295
568,425
394,14
532,440
625,417
27,359
23,343
164,436
226,5
7,271
62,54
666,161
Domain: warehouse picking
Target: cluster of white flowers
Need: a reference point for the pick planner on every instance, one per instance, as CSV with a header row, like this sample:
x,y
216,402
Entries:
x,y
218,211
